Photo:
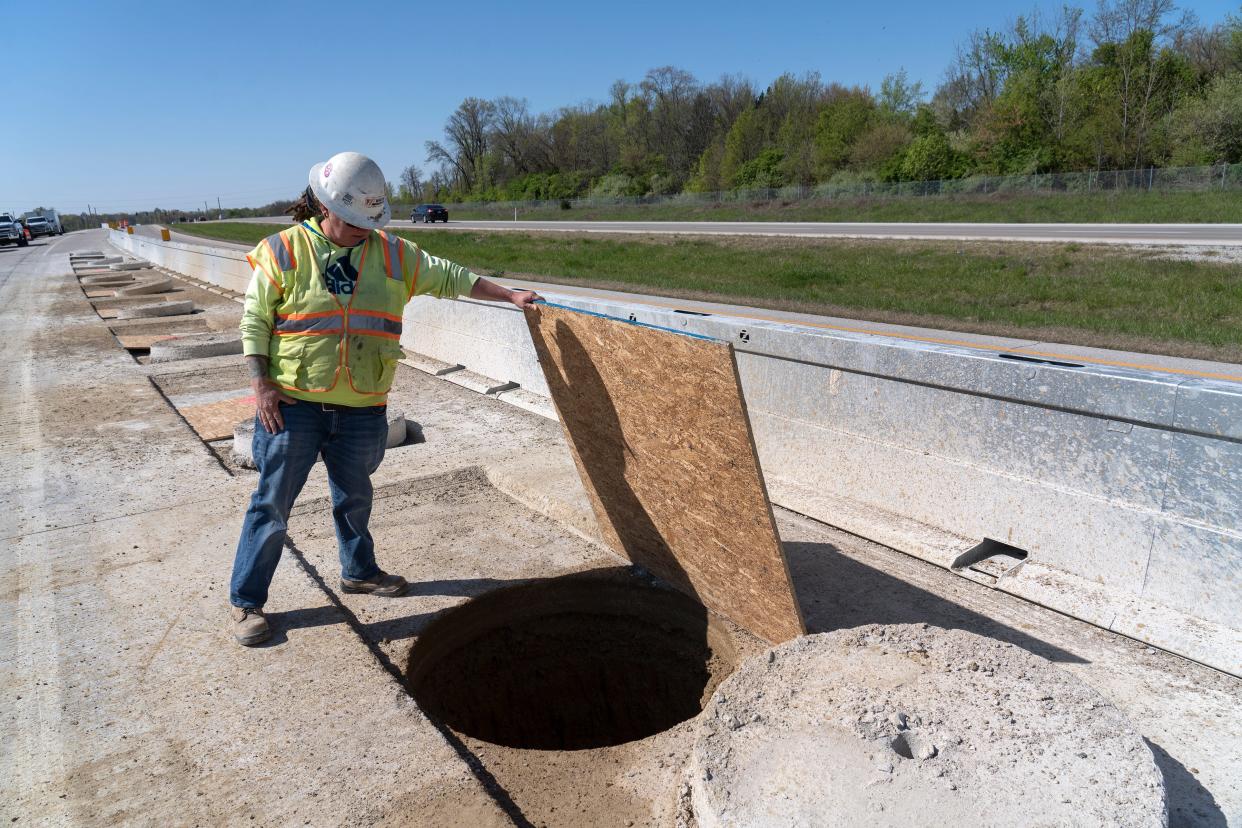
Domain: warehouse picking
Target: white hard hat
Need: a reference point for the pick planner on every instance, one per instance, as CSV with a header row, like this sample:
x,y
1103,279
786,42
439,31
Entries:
x,y
352,186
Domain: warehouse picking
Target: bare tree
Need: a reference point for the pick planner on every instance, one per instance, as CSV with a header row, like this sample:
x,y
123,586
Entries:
x,y
973,81
670,94
1213,51
518,136
466,132
412,182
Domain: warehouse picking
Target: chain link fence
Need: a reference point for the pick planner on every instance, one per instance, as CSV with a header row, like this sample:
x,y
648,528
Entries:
x,y
1164,179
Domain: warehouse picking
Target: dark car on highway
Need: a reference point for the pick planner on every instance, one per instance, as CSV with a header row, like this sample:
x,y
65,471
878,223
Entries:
x,y
427,213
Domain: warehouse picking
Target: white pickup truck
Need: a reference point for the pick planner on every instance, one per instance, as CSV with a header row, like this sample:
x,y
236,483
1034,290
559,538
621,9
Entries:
x,y
11,231
52,218
39,226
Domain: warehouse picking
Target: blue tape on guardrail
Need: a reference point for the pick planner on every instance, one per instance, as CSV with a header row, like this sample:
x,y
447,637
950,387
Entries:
x,y
629,321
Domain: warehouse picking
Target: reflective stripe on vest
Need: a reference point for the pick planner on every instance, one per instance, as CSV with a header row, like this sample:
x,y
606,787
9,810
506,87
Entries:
x,y
281,251
327,322
374,323
394,255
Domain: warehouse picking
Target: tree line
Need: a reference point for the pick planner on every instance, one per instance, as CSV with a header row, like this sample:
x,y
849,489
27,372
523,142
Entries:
x,y
1137,83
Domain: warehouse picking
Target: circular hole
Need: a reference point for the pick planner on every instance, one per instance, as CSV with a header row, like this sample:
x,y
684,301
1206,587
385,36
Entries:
x,y
570,663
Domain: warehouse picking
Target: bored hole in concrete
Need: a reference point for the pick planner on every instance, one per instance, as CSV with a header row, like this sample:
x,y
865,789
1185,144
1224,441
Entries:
x,y
571,663
901,745
909,745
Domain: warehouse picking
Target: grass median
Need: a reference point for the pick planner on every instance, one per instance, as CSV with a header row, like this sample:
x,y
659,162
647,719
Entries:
x,y
1128,207
1069,293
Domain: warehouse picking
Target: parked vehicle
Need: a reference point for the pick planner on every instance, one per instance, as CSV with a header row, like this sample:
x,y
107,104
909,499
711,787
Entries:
x,y
39,226
53,218
427,213
12,231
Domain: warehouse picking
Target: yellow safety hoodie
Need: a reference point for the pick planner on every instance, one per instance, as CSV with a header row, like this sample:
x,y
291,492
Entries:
x,y
316,340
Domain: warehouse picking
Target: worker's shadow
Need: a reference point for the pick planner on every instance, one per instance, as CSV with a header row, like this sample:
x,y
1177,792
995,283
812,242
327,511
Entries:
x,y
411,626
298,619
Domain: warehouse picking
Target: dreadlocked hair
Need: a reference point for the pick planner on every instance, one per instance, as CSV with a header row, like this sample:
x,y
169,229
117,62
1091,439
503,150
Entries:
x,y
306,207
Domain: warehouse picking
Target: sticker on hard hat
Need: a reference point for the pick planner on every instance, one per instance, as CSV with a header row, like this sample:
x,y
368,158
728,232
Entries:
x,y
327,169
347,199
372,201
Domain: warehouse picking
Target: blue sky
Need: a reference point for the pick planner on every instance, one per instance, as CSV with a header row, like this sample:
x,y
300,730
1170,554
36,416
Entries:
x,y
134,105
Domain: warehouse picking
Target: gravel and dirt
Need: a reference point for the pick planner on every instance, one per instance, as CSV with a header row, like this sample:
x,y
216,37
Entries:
x,y
915,725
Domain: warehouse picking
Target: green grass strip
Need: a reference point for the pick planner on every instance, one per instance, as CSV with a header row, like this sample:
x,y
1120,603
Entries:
x,y
1158,207
1069,293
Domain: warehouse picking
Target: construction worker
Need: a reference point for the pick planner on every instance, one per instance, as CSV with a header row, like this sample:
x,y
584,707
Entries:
x,y
320,334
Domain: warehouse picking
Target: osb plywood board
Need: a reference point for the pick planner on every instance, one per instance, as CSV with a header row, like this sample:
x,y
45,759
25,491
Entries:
x,y
215,421
142,340
658,428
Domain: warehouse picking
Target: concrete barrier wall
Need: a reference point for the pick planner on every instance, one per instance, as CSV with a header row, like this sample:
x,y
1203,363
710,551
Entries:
x,y
221,266
1123,487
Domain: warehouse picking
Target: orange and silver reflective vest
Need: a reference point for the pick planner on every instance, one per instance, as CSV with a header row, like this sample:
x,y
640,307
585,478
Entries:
x,y
318,341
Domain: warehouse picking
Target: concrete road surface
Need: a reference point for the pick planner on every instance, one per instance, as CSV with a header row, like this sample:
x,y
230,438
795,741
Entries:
x,y
1228,235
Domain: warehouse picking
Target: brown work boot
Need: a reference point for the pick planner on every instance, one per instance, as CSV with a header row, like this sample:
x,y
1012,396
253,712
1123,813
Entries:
x,y
249,626
388,586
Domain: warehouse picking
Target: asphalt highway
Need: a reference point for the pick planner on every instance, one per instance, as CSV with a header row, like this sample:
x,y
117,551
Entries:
x,y
1213,235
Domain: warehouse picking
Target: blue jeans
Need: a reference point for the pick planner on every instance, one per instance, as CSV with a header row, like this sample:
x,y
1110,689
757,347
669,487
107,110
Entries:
x,y
352,444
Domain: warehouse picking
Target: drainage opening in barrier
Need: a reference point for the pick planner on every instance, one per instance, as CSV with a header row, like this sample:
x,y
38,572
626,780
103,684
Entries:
x,y
570,663
992,557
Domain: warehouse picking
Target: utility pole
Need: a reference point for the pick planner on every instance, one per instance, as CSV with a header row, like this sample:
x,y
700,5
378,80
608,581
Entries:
x,y
219,209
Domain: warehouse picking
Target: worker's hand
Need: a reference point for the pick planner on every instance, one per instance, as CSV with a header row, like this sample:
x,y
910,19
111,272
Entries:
x,y
267,400
522,298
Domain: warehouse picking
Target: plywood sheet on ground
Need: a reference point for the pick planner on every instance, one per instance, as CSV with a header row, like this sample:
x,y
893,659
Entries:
x,y
215,421
658,428
99,294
